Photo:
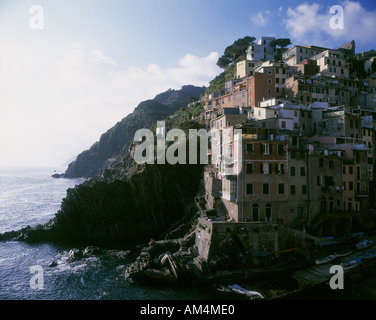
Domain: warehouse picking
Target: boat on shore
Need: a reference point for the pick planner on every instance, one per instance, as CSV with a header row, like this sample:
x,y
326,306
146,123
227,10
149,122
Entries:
x,y
364,244
343,253
351,263
370,254
326,259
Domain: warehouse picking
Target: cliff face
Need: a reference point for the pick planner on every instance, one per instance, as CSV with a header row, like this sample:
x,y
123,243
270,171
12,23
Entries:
x,y
113,144
122,211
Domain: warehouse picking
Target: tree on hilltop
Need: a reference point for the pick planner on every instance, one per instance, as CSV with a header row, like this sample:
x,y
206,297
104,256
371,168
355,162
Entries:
x,y
234,51
280,45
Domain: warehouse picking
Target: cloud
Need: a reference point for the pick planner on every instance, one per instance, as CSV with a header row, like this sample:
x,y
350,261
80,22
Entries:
x,y
310,23
57,98
261,19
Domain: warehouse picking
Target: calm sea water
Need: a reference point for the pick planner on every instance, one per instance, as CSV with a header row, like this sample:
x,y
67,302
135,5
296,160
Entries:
x,y
30,197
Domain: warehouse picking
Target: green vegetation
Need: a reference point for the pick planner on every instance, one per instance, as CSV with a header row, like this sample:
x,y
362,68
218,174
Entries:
x,y
219,81
280,46
367,54
235,51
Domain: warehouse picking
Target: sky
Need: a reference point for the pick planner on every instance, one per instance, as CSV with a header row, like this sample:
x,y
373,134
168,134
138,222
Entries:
x,y
71,69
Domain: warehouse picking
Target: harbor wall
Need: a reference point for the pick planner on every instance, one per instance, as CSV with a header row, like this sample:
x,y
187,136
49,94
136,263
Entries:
x,y
250,237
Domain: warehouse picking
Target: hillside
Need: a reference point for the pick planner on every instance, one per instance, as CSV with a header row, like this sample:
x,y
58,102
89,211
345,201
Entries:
x,y
114,143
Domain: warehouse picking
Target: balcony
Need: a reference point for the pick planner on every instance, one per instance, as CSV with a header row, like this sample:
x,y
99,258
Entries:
x,y
331,189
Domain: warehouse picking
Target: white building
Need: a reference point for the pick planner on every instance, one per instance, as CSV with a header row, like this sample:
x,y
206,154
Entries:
x,y
261,50
368,65
298,54
332,63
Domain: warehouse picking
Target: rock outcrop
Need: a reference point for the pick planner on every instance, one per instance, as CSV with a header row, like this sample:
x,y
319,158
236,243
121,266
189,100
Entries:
x,y
121,211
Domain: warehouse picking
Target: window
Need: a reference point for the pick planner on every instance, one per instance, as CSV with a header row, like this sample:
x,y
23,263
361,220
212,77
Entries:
x,y
270,72
351,170
264,148
344,186
331,164
292,189
292,171
351,185
249,188
304,189
269,81
321,163
249,167
357,172
302,171
281,188
344,170
261,168
283,125
249,148
265,188
281,150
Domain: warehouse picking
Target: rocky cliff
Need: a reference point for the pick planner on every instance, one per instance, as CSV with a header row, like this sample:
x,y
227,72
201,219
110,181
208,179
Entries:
x,y
133,210
114,143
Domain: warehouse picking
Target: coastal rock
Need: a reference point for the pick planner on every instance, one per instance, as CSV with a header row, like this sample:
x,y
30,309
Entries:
x,y
52,264
122,211
91,251
58,175
75,254
160,275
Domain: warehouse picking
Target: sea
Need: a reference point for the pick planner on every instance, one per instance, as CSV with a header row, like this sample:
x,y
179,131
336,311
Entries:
x,y
30,196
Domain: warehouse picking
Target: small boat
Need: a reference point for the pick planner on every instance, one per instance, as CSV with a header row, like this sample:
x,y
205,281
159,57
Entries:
x,y
328,243
368,254
326,259
343,253
351,263
261,254
358,234
251,294
364,244
286,250
237,291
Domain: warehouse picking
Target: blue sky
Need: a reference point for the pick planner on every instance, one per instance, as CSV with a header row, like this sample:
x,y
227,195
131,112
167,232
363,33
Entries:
x,y
95,60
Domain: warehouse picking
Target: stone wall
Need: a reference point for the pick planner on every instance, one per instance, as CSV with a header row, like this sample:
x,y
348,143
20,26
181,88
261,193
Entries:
x,y
250,238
